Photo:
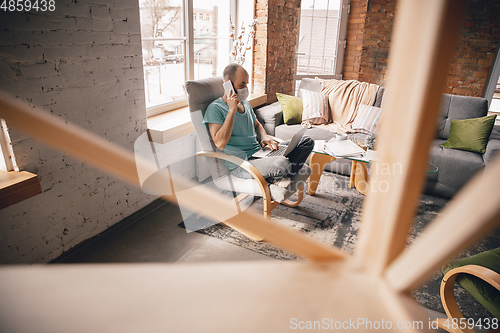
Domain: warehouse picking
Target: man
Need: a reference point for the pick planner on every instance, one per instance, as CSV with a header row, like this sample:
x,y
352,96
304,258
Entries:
x,y
235,130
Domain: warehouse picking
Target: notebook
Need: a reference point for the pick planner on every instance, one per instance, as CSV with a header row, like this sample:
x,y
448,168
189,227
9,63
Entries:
x,y
343,148
283,150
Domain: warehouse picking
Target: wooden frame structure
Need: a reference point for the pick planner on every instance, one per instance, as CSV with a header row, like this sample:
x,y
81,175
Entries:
x,y
353,292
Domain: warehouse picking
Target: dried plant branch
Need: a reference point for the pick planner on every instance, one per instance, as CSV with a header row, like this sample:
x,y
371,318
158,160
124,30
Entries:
x,y
239,46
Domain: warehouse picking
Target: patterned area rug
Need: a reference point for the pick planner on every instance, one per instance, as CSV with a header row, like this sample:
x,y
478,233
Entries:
x,y
333,217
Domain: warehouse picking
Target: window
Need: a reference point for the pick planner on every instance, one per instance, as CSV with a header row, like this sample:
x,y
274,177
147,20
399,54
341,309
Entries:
x,y
7,160
163,38
323,27
179,44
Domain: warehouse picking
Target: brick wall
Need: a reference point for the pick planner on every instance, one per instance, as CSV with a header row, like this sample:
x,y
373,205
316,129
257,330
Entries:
x,y
376,40
260,47
474,54
478,39
275,46
354,39
83,63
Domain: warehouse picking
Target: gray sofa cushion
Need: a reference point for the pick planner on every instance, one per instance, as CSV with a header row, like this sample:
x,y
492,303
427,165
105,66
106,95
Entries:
x,y
492,149
459,107
455,167
270,116
341,167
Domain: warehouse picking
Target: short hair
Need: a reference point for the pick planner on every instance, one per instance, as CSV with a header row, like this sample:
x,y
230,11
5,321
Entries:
x,y
230,71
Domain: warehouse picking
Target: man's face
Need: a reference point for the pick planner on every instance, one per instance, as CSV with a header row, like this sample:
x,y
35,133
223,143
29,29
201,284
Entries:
x,y
240,79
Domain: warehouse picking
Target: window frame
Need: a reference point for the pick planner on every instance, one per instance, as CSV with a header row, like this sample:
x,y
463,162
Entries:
x,y
341,45
189,64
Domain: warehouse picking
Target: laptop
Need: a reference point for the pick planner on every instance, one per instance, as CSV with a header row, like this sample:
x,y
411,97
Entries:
x,y
282,150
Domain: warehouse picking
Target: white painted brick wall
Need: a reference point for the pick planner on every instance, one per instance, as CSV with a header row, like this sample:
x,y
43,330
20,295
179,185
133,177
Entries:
x,y
83,63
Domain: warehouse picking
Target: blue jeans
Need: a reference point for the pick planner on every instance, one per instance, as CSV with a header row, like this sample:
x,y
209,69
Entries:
x,y
276,167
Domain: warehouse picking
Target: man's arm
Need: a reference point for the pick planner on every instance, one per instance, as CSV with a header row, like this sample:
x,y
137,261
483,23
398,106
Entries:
x,y
221,133
265,140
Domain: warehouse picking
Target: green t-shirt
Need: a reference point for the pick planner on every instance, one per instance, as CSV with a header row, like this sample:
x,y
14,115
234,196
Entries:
x,y
243,141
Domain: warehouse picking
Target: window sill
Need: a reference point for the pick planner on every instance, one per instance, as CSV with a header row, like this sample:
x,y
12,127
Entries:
x,y
174,124
17,186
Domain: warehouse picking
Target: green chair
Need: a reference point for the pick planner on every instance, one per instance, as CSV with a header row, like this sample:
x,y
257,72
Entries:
x,y
480,276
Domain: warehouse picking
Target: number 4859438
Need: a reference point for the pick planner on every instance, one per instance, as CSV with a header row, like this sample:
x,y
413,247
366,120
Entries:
x,y
28,5
470,323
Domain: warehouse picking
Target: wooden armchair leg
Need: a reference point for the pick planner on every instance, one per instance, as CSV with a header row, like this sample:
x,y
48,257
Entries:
x,y
269,205
290,203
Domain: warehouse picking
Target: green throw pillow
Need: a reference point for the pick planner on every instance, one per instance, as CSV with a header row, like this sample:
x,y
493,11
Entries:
x,y
482,291
292,108
470,134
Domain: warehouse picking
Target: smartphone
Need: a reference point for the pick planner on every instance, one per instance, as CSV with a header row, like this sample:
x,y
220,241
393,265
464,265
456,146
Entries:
x,y
228,88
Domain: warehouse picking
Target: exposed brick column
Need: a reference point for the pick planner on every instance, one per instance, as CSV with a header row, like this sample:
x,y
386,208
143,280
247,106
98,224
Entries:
x,y
372,21
355,31
376,40
260,47
275,45
476,48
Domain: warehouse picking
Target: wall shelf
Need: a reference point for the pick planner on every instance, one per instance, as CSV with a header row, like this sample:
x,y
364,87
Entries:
x,y
17,186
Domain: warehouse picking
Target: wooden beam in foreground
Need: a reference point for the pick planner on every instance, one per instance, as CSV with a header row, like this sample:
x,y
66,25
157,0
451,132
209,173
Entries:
x,y
473,212
270,296
422,45
116,160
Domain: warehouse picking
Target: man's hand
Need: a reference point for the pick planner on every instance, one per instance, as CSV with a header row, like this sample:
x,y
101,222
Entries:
x,y
232,101
267,141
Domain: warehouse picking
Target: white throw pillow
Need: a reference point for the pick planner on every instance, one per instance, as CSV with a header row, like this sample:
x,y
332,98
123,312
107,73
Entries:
x,y
315,107
367,119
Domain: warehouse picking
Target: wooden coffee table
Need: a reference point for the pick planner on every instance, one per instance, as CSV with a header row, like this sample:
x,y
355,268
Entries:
x,y
359,171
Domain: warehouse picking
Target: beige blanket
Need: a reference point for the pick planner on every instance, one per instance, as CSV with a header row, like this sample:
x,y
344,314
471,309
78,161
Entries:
x,y
344,98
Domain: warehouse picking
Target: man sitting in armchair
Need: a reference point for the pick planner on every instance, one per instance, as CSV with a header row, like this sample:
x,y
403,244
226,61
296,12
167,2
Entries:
x,y
235,130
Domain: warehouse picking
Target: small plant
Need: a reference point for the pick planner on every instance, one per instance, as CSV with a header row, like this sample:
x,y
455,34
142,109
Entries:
x,y
370,141
240,47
